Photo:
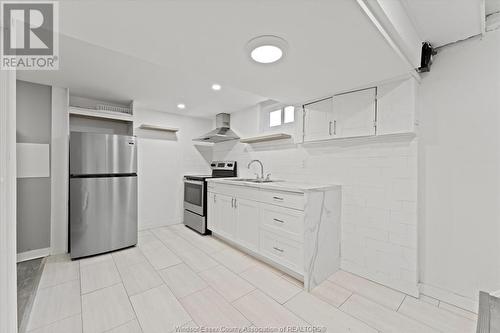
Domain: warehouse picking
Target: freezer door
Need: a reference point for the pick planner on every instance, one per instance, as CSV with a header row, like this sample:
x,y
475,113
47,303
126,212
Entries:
x,y
103,214
95,153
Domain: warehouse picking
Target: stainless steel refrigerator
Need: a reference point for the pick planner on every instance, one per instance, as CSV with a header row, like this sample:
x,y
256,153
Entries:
x,y
103,193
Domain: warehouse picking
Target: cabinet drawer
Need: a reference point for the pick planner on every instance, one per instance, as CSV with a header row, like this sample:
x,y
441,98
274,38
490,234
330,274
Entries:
x,y
222,189
281,250
236,191
285,221
284,199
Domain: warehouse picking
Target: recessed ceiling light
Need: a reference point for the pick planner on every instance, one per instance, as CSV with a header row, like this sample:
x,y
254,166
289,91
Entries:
x,y
266,54
267,49
216,87
181,106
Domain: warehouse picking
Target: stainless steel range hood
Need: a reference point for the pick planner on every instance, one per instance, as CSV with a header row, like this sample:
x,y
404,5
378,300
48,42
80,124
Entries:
x,y
222,131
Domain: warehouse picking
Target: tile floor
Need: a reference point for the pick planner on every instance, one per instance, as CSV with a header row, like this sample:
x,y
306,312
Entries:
x,y
177,278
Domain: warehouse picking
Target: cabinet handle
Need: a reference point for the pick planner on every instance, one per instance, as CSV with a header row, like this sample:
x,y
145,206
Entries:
x,y
215,198
278,198
232,202
235,200
334,127
278,220
330,128
278,249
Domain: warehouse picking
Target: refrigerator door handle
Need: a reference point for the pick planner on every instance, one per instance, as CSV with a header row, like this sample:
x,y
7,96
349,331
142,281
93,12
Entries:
x,y
86,201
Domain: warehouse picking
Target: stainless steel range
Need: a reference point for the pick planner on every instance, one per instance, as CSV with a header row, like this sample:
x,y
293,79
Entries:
x,y
195,194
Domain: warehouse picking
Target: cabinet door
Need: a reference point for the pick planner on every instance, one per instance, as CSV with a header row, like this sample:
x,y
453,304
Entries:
x,y
248,223
317,120
225,216
354,114
211,222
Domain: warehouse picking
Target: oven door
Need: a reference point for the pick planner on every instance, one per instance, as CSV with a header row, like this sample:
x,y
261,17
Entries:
x,y
194,196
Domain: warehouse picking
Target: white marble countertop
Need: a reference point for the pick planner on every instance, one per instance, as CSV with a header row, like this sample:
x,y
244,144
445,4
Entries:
x,y
280,185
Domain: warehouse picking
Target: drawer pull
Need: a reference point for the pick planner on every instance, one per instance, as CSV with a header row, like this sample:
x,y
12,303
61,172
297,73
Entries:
x,y
278,198
278,249
278,220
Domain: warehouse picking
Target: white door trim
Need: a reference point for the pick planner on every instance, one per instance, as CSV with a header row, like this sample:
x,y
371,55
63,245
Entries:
x,y
8,271
59,165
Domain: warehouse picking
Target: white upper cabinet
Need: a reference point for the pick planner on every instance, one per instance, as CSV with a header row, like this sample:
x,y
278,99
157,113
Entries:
x,y
386,109
354,113
396,105
347,115
318,118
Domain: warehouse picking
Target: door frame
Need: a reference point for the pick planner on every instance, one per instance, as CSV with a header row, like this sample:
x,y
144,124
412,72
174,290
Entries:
x,y
8,268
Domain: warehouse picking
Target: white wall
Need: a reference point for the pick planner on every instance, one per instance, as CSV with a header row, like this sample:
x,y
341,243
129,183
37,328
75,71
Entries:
x,y
33,125
379,193
459,172
163,159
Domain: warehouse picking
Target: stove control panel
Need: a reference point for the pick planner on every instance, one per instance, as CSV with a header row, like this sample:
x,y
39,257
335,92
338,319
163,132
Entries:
x,y
223,165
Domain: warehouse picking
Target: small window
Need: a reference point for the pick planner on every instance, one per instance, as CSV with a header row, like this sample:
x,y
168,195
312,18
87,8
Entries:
x,y
289,114
281,116
274,118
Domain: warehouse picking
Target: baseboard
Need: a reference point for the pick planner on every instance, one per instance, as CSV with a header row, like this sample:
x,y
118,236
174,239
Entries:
x,y
450,297
33,254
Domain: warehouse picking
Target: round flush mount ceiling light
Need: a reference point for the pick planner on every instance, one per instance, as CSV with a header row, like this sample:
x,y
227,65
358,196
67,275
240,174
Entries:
x,y
216,87
266,54
181,106
267,49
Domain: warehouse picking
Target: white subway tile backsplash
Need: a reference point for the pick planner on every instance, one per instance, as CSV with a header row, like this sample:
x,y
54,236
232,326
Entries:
x,y
405,189
373,233
408,275
379,198
403,235
382,246
403,216
377,217
375,197
351,250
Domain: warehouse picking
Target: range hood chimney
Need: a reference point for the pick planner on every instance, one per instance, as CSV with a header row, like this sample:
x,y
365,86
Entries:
x,y
222,132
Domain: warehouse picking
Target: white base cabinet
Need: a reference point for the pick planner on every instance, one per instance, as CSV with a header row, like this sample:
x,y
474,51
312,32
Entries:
x,y
225,215
247,223
281,227
234,219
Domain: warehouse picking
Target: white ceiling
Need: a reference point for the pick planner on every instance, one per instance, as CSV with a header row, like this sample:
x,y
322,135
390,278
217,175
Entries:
x,y
161,53
445,21
93,71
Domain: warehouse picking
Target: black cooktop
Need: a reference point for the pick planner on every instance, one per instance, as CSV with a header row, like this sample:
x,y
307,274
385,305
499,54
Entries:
x,y
200,177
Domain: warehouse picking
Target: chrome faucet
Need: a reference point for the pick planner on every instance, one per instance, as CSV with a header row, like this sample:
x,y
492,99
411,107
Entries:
x,y
261,169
